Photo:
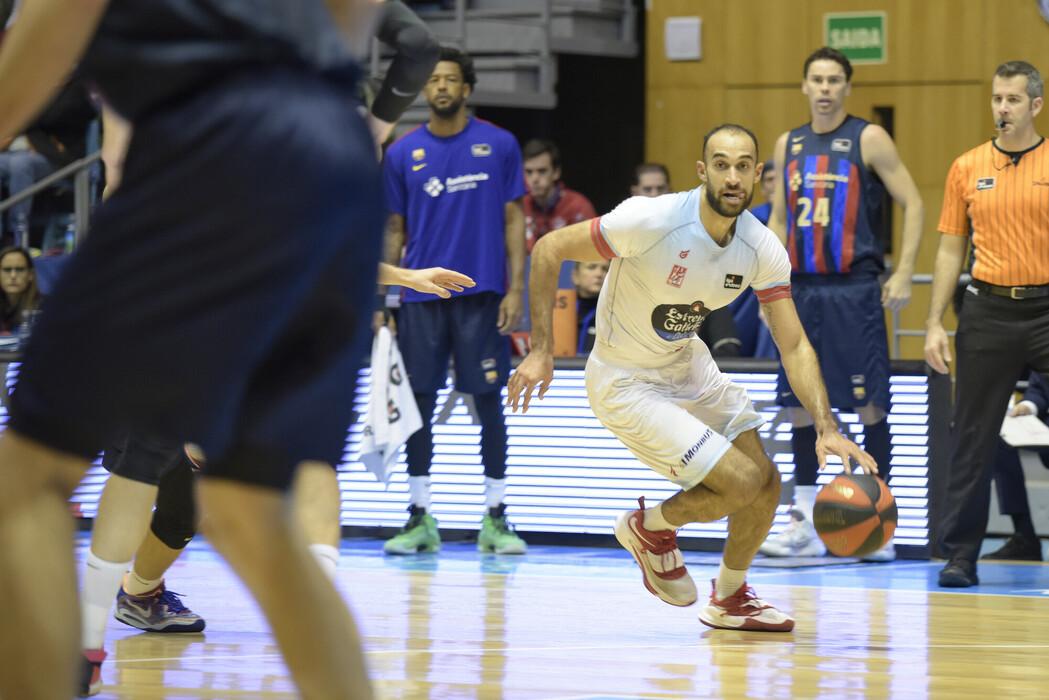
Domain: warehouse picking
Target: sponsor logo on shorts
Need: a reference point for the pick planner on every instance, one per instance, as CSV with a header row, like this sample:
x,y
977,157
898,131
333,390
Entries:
x,y
418,154
488,363
491,376
858,379
480,150
678,321
694,450
859,393
733,281
843,145
985,183
677,276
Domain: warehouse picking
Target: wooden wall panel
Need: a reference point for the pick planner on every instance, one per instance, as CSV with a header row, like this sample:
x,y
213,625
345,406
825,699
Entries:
x,y
675,124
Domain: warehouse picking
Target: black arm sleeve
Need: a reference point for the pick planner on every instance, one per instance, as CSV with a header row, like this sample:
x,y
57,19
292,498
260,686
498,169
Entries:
x,y
417,52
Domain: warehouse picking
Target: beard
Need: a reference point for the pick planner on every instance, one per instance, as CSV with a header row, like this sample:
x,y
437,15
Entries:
x,y
724,209
448,110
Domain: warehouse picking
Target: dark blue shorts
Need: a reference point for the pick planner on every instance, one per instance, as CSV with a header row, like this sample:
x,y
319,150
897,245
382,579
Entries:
x,y
845,322
144,459
464,328
224,294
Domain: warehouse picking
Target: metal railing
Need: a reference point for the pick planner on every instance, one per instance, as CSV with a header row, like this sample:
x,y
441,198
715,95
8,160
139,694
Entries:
x,y
80,171
898,332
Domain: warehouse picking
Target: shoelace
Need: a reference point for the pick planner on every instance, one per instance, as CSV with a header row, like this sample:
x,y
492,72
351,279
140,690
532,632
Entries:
x,y
414,521
503,525
745,597
172,601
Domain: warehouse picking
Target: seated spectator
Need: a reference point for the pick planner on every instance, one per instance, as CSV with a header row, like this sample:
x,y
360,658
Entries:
x,y
587,278
549,204
650,180
755,339
768,186
55,139
18,282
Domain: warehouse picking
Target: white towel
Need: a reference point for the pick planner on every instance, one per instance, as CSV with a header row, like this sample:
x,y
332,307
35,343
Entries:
x,y
392,412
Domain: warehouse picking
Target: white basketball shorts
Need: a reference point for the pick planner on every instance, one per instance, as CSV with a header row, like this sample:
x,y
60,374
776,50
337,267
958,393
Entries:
x,y
679,419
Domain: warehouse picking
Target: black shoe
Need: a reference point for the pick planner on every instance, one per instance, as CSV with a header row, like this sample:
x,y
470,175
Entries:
x,y
1018,548
959,573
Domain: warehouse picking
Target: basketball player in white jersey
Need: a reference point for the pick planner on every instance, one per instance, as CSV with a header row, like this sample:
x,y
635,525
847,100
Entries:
x,y
653,383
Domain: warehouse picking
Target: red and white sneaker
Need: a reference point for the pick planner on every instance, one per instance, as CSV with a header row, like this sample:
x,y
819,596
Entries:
x,y
91,672
743,610
656,552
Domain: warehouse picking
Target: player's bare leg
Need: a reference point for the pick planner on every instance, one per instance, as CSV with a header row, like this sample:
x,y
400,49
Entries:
x,y
40,627
153,558
251,527
317,505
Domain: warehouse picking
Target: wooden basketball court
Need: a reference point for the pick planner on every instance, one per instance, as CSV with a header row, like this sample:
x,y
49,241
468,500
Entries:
x,y
573,623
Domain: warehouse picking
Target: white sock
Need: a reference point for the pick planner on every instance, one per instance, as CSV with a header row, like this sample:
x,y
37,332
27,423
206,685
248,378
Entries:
x,y
729,581
419,487
805,499
327,556
136,585
101,582
654,519
494,492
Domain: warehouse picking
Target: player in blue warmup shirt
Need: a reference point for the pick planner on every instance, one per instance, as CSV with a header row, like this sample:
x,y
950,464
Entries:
x,y
454,188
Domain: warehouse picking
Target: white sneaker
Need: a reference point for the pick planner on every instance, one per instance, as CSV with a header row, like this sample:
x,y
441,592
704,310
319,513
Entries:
x,y
798,539
743,610
886,553
656,552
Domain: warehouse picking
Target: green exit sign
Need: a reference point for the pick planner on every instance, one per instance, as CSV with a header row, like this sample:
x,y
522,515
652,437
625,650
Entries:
x,y
861,36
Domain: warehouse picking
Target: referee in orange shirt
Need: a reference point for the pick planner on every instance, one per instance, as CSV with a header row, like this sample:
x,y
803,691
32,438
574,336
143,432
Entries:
x,y
1001,190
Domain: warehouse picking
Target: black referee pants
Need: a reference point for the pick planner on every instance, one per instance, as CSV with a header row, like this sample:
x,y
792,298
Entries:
x,y
997,337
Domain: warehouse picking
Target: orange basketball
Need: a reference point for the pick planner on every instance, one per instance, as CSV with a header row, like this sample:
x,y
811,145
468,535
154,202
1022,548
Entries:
x,y
854,515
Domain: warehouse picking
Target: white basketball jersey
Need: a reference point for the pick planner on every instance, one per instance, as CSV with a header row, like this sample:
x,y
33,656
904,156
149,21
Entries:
x,y
666,274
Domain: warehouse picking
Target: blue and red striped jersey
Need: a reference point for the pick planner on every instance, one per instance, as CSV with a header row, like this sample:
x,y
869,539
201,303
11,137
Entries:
x,y
834,202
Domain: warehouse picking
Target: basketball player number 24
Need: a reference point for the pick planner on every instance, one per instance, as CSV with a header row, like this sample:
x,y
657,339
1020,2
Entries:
x,y
821,215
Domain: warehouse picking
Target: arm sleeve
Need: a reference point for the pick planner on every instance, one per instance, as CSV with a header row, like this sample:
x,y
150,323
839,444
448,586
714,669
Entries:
x,y
416,54
954,217
772,280
393,183
630,229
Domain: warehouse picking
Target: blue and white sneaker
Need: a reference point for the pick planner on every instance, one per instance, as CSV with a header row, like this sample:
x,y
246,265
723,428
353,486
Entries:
x,y
160,610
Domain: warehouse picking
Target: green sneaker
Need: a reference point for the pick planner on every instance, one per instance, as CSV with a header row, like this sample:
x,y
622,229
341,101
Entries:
x,y
419,534
497,535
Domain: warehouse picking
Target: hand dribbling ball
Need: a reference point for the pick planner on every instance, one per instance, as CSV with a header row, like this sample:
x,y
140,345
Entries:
x,y
855,515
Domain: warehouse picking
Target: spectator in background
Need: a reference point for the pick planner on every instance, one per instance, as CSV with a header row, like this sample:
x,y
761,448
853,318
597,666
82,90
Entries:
x,y
768,188
718,329
549,204
55,139
587,278
454,187
20,294
650,180
1010,484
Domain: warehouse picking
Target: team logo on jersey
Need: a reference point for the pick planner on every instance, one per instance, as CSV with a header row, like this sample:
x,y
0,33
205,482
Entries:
x,y
433,186
795,139
418,154
678,321
795,148
480,150
843,145
795,181
985,183
417,167
733,281
684,254
677,276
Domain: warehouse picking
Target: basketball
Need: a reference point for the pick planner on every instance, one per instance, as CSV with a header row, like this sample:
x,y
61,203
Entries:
x,y
855,514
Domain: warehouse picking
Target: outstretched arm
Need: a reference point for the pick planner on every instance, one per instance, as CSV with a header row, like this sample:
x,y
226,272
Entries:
x,y
803,373
430,280
537,370
38,54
